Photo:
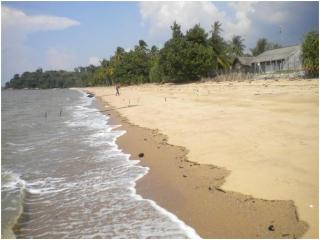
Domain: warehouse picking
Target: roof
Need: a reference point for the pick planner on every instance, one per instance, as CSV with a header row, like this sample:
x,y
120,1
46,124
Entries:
x,y
275,54
245,60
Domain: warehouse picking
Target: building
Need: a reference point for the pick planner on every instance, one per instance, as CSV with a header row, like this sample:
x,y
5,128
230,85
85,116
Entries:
x,y
242,64
281,59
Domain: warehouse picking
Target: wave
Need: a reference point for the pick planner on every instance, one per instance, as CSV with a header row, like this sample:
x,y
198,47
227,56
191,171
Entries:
x,y
189,231
12,192
83,176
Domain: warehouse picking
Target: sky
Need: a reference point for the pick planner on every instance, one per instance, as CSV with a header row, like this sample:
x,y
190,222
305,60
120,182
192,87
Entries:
x,y
65,35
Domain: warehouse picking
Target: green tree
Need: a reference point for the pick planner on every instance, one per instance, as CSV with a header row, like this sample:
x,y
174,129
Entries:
x,y
263,45
154,50
310,54
197,35
237,46
185,58
219,47
176,30
156,73
131,67
142,45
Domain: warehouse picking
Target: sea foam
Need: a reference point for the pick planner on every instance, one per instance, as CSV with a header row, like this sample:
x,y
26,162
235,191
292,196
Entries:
x,y
189,231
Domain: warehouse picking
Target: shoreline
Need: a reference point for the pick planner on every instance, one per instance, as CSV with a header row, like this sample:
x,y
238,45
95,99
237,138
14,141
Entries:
x,y
193,192
264,131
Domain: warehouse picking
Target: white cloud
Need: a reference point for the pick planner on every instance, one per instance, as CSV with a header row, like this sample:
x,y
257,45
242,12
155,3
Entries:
x,y
18,19
161,15
251,20
242,25
94,61
17,57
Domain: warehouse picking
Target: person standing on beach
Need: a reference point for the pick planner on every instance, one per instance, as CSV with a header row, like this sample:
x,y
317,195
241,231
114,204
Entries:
x,y
117,89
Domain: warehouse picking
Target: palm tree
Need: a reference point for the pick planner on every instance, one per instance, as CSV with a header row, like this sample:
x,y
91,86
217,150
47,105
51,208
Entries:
x,y
218,46
143,45
237,46
216,28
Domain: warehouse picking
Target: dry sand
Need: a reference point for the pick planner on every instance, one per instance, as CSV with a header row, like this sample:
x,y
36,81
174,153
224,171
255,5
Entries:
x,y
264,132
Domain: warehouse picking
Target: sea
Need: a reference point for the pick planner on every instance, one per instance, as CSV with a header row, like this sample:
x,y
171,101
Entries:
x,y
63,176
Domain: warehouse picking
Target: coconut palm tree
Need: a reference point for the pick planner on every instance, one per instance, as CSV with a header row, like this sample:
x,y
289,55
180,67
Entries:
x,y
216,28
218,46
237,46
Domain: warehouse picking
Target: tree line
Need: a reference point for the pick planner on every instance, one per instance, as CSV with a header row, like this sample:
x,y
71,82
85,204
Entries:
x,y
187,56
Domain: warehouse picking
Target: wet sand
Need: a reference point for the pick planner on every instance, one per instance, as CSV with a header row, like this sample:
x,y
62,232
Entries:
x,y
258,131
192,192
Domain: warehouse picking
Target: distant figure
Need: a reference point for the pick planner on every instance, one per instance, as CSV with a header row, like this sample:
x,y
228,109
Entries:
x,y
117,89
60,112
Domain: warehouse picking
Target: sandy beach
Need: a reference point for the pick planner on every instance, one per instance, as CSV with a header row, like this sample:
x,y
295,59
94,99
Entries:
x,y
230,145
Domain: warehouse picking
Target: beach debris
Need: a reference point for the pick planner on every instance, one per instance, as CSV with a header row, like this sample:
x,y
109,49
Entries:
x,y
144,139
271,228
285,235
141,155
180,166
220,190
90,95
184,176
210,188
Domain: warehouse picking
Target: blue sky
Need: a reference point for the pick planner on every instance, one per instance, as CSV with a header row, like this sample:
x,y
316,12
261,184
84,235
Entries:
x,y
64,35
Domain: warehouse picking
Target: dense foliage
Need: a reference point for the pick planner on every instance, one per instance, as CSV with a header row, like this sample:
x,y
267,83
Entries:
x,y
310,54
187,56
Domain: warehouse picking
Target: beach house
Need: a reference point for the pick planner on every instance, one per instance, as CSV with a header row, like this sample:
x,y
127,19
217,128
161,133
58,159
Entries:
x,y
281,59
242,64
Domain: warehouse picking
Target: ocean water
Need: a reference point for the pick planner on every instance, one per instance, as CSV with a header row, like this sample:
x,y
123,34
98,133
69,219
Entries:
x,y
63,176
